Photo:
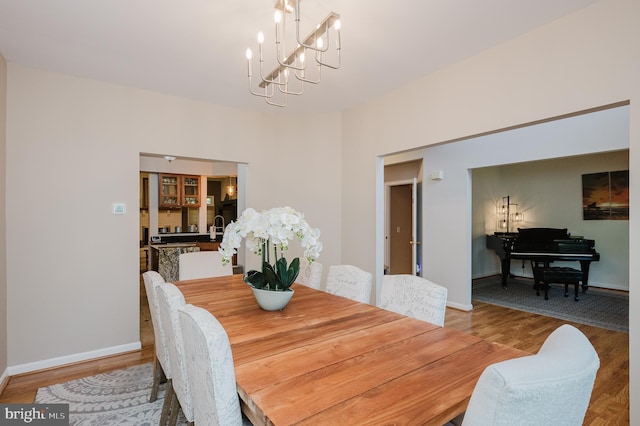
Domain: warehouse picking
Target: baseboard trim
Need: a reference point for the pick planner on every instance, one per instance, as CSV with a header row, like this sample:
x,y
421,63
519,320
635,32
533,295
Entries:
x,y
73,358
460,306
4,380
604,286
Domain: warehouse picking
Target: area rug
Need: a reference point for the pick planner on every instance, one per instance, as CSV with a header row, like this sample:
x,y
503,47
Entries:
x,y
596,307
118,397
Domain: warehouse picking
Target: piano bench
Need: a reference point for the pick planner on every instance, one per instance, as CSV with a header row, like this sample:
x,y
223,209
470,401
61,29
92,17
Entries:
x,y
559,275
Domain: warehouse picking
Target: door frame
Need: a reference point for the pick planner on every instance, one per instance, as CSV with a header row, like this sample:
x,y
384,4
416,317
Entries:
x,y
387,220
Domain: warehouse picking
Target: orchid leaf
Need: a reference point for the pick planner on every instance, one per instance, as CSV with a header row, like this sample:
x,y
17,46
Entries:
x,y
292,273
271,277
281,270
255,279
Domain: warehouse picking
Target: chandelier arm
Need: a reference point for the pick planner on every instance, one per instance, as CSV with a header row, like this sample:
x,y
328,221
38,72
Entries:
x,y
271,78
335,67
262,95
290,60
286,90
313,36
287,63
318,32
306,80
267,100
249,74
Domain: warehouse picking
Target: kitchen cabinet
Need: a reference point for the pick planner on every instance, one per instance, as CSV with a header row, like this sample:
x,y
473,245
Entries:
x,y
179,191
190,191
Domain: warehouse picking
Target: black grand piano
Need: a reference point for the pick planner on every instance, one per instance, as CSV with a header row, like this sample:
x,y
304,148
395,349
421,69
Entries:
x,y
542,246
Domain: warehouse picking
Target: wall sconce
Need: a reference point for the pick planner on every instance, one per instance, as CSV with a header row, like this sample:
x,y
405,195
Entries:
x,y
508,214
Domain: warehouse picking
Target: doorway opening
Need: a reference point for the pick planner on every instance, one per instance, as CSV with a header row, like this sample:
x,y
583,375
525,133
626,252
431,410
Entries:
x,y
402,218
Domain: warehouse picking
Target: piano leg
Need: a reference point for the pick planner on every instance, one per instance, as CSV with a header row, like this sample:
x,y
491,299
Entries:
x,y
584,265
506,270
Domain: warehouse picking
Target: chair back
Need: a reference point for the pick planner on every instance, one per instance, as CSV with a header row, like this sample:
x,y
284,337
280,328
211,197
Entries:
x,y
415,297
170,299
310,274
552,387
350,281
202,264
210,367
152,280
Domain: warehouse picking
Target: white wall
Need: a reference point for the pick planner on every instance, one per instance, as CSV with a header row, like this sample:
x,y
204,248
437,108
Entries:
x,y
549,192
73,148
447,203
585,60
3,225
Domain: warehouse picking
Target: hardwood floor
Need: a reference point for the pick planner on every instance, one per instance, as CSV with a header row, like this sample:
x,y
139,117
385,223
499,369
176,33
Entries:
x,y
609,401
610,397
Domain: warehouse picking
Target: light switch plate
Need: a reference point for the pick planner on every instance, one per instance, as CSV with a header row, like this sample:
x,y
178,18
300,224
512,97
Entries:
x,y
119,208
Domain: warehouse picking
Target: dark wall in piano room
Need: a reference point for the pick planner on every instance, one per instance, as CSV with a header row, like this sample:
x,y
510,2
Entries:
x,y
549,193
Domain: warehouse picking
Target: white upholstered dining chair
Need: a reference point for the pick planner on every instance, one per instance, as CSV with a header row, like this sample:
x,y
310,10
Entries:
x,y
552,387
211,370
349,281
310,274
161,365
178,394
415,297
202,264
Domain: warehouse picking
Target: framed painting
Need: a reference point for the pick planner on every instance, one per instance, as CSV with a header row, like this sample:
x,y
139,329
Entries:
x,y
605,196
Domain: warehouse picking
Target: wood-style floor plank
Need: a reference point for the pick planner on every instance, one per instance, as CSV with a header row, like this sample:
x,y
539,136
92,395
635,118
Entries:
x,y
522,330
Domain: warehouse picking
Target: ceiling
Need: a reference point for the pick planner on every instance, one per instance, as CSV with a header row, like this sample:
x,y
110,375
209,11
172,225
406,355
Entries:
x,y
196,48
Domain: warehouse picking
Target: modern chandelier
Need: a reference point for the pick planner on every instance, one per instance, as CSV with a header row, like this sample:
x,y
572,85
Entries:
x,y
280,82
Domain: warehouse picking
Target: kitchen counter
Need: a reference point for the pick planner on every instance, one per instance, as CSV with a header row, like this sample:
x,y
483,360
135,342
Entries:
x,y
171,245
164,255
164,258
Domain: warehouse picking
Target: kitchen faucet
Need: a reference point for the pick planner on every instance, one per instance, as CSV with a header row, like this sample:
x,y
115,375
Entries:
x,y
217,230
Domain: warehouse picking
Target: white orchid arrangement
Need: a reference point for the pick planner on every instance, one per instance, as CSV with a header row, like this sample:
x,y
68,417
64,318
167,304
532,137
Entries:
x,y
271,230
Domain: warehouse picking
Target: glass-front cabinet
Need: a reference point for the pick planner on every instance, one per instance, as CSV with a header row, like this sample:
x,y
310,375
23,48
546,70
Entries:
x,y
169,191
179,191
191,191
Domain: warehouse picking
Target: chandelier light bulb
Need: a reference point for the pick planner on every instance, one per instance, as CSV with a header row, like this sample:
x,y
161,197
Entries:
x,y
277,16
249,54
337,25
320,43
260,37
301,57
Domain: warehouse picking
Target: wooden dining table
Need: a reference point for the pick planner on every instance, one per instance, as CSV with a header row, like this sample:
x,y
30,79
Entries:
x,y
328,360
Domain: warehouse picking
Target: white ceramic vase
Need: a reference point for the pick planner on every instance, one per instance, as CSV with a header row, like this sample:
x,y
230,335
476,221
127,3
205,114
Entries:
x,y
272,300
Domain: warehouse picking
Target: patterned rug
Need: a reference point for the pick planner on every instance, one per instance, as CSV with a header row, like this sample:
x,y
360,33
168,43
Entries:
x,y
118,397
596,307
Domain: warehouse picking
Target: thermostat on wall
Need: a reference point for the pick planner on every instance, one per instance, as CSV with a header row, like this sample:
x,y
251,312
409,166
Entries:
x,y
119,208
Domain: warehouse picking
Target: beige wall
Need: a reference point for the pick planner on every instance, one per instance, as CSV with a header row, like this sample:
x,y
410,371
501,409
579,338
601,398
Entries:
x,y
72,282
3,224
73,149
582,61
